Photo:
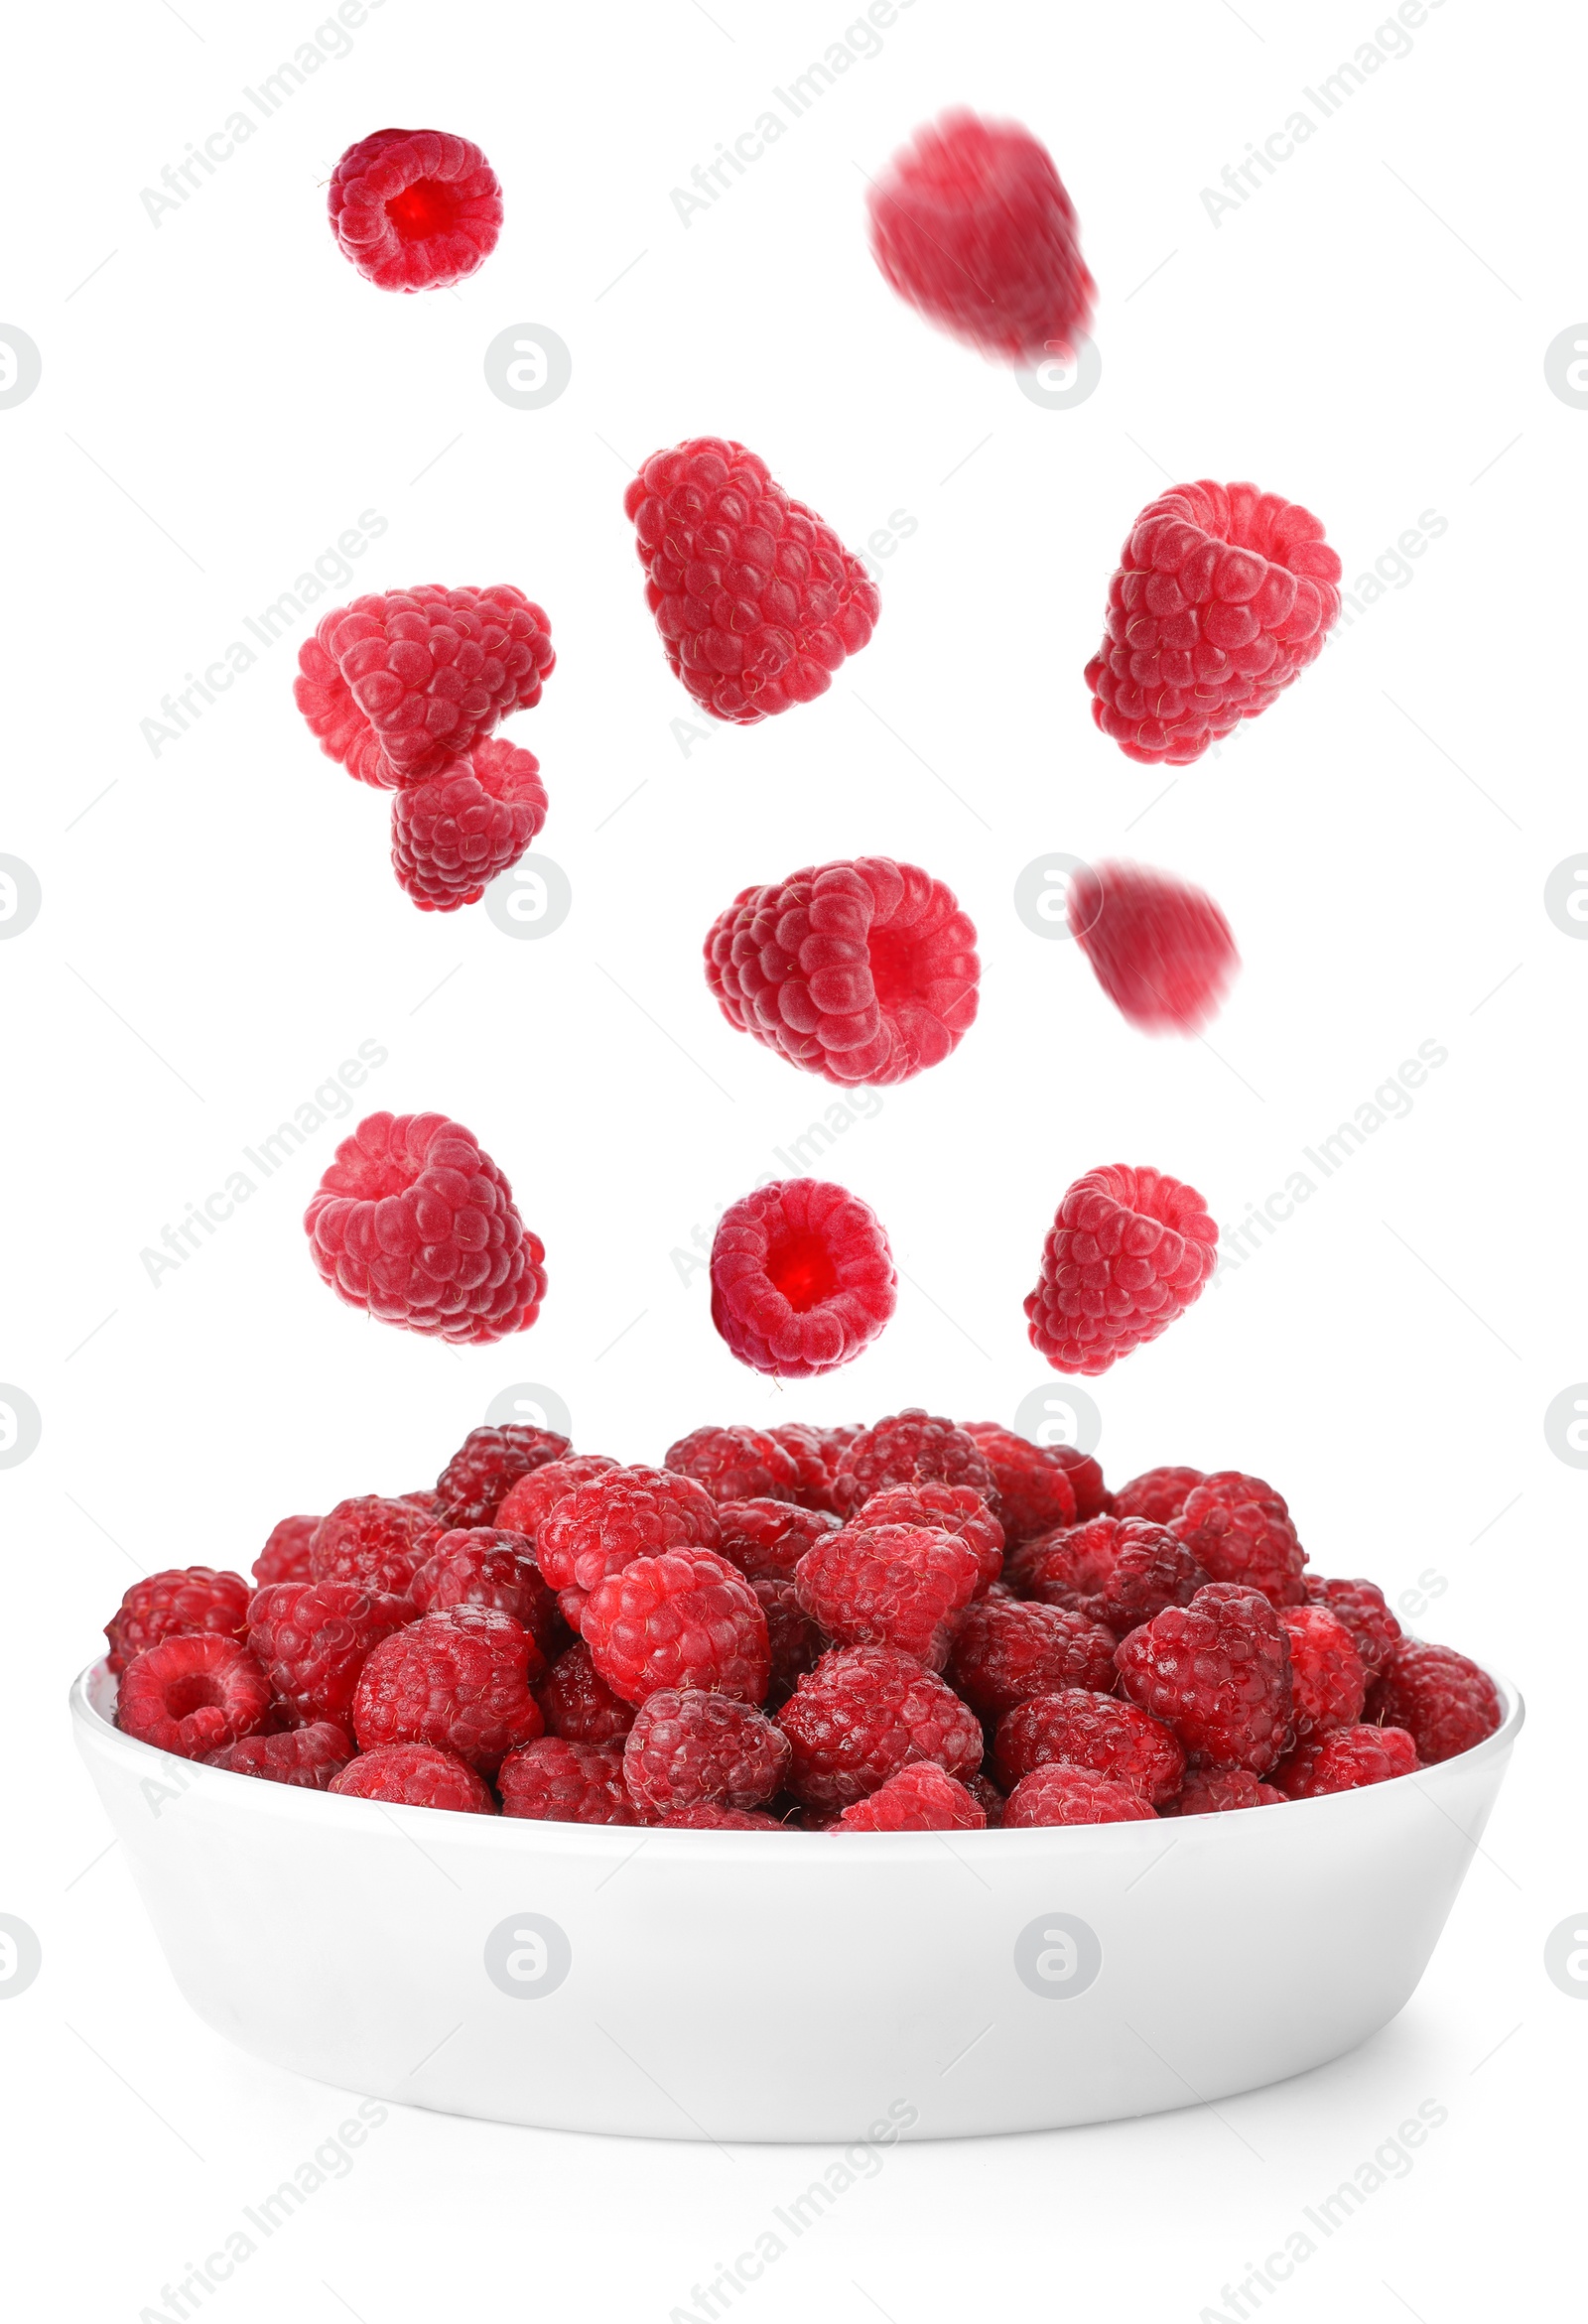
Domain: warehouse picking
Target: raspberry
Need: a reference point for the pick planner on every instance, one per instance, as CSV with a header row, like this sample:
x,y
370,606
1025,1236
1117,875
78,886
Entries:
x,y
484,1565
578,1705
1327,1680
1346,1761
862,971
862,1714
1445,1703
949,1509
1218,1672
311,1640
415,1776
555,1781
453,833
708,1816
307,1758
1361,1607
1239,1529
415,209
756,599
193,1693
688,1749
988,1798
735,1463
379,1544
1128,1251
889,1586
396,687
793,1640
1157,1495
971,225
418,1227
1036,1492
1120,1570
809,1450
181,1602
1059,1793
1206,1792
599,1527
460,1681
531,1500
766,1538
1089,1730
683,1618
1222,598
1161,948
1005,1651
919,1798
489,1462
1092,1496
911,1447
802,1277
285,1556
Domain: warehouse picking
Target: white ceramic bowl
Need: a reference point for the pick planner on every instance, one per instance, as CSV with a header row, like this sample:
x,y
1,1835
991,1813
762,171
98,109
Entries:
x,y
774,1986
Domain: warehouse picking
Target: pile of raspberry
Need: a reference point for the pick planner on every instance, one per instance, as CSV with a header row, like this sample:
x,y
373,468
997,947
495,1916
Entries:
x,y
917,1627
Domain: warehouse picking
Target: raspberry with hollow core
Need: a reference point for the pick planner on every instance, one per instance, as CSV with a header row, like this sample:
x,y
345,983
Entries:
x,y
801,1278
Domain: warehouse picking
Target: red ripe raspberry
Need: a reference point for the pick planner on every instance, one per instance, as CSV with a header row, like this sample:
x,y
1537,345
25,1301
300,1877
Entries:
x,y
1223,596
1346,1761
415,209
311,1640
484,1565
766,1538
685,1618
307,1758
554,1782
1161,948
1116,1740
757,601
1120,1570
1239,1529
1129,1251
862,971
687,1747
597,1530
532,1500
1092,1496
193,1693
919,1798
793,1640
1361,1607
476,1480
1328,1683
971,225
735,1463
862,1714
395,688
380,1544
1035,1490
417,1226
802,1277
889,1586
1157,1495
812,1452
708,1816
578,1705
1218,1672
181,1602
1445,1703
1210,1792
453,833
415,1776
911,1447
988,1798
1005,1651
1059,1793
460,1681
285,1556
947,1508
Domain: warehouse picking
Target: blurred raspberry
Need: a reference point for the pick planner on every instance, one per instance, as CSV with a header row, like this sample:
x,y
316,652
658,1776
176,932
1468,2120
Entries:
x,y
1035,1490
911,1447
687,1749
889,1586
1445,1703
1361,1607
415,209
862,1714
1129,1251
685,1618
488,1462
1218,1672
793,1640
599,1527
311,1640
415,1776
578,1705
1327,1680
378,1543
735,1463
1116,1740
919,1798
183,1602
950,1508
526,1504
708,1816
1157,1495
192,1694
1120,1570
1344,1760
1060,1793
307,1758
1004,1652
285,1556
554,1782
471,820
767,1539
460,1681
1159,948
1206,1792
801,1278
1239,1529
484,1565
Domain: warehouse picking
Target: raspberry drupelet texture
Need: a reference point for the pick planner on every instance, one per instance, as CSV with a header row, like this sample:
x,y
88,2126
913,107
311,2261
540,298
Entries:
x,y
766,1539
756,599
1218,1673
1361,1608
453,833
889,1586
309,1758
484,1565
1216,1792
1119,1571
1445,1703
285,1556
1222,598
1157,1495
735,1464
311,1638
415,1776
1328,1683
862,971
527,1505
1035,1492
192,1694
862,1714
801,1278
1159,948
180,1603
1129,1251
1060,1793
414,1223
919,1798
708,1816
971,225
1092,1496
555,1781
687,1749
1083,1730
377,1543
950,1508
578,1705
415,209
1344,1760
476,1481
812,1452
600,1527
1005,1651
793,1640
685,1618
460,1681
1239,1529
913,1447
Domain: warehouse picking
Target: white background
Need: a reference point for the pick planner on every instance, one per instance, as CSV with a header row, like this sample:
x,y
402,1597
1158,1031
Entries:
x,y
221,397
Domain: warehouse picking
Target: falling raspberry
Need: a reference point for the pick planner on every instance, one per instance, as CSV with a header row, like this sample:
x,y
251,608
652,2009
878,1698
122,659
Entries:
x,y
451,834
863,973
1159,948
1128,1251
415,209
971,225
1223,596
802,1277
